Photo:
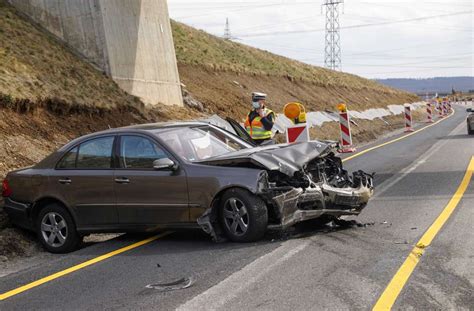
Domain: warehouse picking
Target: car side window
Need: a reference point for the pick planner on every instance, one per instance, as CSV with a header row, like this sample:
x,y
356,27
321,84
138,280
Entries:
x,y
69,160
95,154
138,152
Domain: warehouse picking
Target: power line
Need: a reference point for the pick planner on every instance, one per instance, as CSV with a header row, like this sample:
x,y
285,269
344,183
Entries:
x,y
370,53
399,66
373,19
288,22
466,57
241,8
403,71
355,26
398,6
398,3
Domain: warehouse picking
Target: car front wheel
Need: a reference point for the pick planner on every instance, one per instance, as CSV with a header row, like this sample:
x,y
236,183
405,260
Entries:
x,y
243,216
56,229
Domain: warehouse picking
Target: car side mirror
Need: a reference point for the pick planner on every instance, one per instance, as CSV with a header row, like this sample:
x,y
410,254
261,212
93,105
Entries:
x,y
164,163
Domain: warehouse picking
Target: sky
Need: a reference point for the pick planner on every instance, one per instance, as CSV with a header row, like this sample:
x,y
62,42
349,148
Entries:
x,y
379,39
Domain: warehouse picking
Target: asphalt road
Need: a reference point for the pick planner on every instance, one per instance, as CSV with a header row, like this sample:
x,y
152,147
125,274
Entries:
x,y
309,268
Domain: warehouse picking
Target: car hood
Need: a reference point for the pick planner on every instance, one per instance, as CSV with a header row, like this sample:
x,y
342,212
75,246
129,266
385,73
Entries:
x,y
286,158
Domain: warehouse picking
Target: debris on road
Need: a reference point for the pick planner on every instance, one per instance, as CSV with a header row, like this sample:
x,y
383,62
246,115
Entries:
x,y
351,223
173,285
314,226
402,242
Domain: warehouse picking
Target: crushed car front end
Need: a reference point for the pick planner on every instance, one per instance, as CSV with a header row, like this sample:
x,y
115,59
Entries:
x,y
302,181
315,197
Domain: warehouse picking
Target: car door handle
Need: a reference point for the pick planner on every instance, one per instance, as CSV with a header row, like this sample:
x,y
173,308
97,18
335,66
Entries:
x,y
122,180
65,181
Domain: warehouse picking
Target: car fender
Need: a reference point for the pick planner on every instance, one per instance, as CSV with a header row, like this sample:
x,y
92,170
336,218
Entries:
x,y
50,199
205,182
207,219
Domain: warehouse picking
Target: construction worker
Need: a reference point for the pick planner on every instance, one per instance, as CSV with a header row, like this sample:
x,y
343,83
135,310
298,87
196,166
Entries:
x,y
260,120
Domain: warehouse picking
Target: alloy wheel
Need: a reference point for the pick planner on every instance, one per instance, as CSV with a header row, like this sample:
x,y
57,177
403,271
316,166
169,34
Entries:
x,y
236,217
54,229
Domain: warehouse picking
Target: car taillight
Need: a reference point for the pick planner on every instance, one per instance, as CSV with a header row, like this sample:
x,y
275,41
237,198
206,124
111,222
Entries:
x,y
6,190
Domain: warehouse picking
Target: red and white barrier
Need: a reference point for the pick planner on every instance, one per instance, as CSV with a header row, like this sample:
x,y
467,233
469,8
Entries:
x,y
346,136
297,133
440,109
445,108
429,112
408,119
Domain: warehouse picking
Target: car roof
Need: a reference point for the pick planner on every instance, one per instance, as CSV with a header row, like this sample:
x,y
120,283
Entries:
x,y
147,127
163,125
151,127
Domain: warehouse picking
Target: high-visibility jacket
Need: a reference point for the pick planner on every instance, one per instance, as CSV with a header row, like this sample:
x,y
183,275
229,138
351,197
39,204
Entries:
x,y
256,129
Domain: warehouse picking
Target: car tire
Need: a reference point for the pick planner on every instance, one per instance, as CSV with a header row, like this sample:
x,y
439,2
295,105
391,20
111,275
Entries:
x,y
242,215
56,229
469,130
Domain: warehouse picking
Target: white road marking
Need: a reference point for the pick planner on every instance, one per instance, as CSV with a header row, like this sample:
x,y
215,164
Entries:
x,y
217,296
422,159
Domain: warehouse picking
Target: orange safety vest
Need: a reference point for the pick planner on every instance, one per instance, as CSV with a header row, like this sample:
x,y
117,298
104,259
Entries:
x,y
256,129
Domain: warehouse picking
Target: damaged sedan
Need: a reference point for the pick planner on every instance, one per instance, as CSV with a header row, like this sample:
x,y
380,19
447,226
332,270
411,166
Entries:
x,y
180,175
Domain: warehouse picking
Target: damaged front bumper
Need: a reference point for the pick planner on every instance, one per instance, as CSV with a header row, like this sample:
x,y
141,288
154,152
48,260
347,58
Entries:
x,y
300,204
293,205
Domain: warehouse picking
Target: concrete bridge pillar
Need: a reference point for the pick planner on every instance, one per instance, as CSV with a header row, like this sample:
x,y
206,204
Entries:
x,y
131,40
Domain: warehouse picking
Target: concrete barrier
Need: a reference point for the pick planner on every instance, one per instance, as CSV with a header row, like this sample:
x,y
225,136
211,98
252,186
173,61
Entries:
x,y
318,118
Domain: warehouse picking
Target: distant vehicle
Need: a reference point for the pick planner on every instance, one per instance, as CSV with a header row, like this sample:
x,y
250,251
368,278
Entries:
x,y
179,175
470,121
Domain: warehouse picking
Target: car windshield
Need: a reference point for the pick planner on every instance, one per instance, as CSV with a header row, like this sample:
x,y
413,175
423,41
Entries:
x,y
199,143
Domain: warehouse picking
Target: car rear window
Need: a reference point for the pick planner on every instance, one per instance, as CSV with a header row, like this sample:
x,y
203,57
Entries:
x,y
69,160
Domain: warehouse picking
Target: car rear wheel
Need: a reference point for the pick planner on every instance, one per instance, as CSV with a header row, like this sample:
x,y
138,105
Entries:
x,y
243,216
56,229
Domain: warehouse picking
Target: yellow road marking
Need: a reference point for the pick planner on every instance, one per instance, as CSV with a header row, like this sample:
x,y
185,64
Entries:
x,y
395,140
78,267
390,294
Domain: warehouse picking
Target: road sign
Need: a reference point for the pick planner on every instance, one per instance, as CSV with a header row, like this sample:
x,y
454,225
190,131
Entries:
x,y
297,133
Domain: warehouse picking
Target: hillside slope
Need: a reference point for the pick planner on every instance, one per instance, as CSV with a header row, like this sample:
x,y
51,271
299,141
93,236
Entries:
x,y
222,74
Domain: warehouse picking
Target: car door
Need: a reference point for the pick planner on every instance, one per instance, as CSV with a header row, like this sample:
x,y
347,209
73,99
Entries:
x,y
240,131
84,178
146,195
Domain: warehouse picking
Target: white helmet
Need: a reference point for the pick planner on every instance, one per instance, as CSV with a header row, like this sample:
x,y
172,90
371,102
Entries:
x,y
256,96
